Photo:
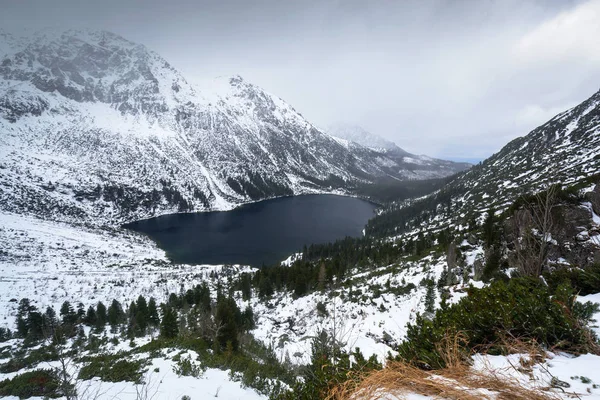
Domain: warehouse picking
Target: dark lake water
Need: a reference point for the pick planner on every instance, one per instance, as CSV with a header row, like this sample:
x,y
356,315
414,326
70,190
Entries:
x,y
258,233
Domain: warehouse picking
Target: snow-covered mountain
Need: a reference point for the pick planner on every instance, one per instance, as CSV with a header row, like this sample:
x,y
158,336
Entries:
x,y
564,150
98,128
416,166
358,134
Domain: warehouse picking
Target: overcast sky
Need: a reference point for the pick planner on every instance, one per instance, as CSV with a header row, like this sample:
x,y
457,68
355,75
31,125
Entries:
x,y
452,79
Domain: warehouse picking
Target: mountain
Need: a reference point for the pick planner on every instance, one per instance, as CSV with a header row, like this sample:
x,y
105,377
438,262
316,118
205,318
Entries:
x,y
100,129
361,136
415,166
564,150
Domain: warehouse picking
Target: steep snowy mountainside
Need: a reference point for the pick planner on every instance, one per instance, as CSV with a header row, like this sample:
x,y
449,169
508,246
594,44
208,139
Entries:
x,y
415,166
100,129
564,150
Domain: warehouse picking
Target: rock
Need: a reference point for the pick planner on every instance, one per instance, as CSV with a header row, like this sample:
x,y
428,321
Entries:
x,y
569,220
472,239
594,198
582,236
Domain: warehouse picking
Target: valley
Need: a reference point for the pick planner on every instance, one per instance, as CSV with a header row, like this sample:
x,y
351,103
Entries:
x,y
159,239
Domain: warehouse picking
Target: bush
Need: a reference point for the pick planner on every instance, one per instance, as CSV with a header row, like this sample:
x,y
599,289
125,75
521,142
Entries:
x,y
41,383
585,281
110,368
187,367
22,359
522,308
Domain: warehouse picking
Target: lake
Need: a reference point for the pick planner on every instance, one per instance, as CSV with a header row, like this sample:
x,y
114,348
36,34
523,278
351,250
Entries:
x,y
259,233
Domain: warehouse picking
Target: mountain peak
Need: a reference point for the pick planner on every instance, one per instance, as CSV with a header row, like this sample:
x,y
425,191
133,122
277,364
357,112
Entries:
x,y
358,134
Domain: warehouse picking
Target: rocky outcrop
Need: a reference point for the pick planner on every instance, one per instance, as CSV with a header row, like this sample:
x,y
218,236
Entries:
x,y
594,198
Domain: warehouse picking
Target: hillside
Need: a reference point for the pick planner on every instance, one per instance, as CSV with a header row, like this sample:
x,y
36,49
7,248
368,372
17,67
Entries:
x,y
101,130
564,150
98,131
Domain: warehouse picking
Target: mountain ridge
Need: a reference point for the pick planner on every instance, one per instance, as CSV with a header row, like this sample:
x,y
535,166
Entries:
x,y
110,131
565,150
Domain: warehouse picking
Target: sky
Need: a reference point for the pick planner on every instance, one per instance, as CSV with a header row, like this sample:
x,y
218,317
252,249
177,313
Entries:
x,y
450,79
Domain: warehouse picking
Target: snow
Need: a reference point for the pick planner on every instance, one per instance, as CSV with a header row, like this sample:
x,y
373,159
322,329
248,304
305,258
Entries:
x,y
356,134
51,262
564,367
161,382
595,217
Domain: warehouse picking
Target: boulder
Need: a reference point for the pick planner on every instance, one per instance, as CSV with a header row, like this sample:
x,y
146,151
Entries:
x,y
594,198
569,221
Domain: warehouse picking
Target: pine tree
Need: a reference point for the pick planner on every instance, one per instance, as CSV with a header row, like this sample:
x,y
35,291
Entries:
x,y
202,297
25,307
101,316
228,318
68,315
115,314
169,328
153,319
35,321
265,286
489,228
246,286
141,316
80,312
50,322
5,334
90,317
322,277
248,322
131,320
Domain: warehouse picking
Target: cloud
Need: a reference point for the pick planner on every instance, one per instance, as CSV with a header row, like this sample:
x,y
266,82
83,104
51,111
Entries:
x,y
572,34
534,115
447,79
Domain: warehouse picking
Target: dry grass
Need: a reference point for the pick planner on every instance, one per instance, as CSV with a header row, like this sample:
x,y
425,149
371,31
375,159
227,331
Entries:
x,y
457,381
399,379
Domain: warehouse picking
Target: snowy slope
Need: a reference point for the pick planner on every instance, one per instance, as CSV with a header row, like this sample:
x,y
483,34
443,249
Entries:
x,y
98,129
565,150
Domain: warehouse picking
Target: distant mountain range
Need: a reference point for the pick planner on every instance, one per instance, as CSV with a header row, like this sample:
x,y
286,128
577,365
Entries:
x,y
361,136
416,166
98,128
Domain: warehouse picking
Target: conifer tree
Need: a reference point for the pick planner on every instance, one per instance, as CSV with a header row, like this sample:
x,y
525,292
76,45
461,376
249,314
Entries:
x,y
246,286
169,328
115,314
80,312
68,315
202,297
131,320
228,318
50,322
153,319
35,322
141,316
5,334
25,307
489,228
90,317
248,322
101,315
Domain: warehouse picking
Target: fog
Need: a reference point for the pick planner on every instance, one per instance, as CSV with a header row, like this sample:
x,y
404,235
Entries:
x,y
454,80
